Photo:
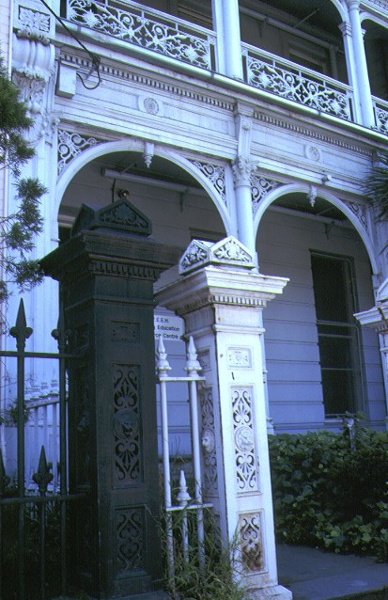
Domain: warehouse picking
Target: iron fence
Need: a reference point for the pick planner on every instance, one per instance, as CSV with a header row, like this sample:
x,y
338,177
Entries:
x,y
34,511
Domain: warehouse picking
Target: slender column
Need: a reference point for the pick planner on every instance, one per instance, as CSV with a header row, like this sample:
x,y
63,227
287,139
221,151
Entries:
x,y
351,68
361,63
376,318
226,20
242,169
221,304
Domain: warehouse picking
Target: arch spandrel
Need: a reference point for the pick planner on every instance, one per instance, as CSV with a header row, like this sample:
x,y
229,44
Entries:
x,y
357,222
101,148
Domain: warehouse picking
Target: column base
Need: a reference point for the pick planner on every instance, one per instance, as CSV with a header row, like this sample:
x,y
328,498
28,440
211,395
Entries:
x,y
275,592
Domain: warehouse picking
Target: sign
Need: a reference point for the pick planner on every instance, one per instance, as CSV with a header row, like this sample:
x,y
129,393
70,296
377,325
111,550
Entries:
x,y
169,327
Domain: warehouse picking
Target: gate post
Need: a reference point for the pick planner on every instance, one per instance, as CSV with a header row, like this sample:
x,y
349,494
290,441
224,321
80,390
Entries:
x,y
106,271
220,298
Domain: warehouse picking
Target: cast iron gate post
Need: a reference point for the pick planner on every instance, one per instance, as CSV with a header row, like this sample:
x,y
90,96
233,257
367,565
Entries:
x,y
107,270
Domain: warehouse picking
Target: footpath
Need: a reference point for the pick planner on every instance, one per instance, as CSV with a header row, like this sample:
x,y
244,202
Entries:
x,y
313,574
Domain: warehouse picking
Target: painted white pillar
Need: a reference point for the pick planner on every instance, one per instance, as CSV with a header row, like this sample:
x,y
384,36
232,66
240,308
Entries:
x,y
377,319
242,169
363,85
220,297
352,72
226,19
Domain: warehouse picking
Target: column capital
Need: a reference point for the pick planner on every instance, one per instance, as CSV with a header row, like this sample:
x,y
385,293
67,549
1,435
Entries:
x,y
242,168
353,4
345,28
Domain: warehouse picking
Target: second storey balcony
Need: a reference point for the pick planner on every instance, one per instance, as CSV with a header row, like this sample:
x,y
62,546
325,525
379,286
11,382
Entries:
x,y
313,55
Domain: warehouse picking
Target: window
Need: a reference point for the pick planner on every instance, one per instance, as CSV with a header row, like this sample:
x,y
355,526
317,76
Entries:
x,y
333,280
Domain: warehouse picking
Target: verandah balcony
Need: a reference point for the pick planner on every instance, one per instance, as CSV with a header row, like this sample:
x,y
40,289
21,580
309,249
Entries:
x,y
182,41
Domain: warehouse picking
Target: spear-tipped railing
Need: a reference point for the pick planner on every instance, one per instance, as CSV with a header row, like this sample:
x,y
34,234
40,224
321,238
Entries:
x,y
184,501
32,505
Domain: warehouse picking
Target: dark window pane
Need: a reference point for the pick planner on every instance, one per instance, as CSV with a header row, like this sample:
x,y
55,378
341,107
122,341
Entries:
x,y
338,391
331,284
335,352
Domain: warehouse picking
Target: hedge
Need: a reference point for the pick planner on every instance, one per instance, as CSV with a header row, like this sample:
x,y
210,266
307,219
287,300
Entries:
x,y
332,492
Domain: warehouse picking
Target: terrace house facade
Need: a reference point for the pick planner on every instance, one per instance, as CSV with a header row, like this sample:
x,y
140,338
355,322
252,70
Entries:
x,y
248,120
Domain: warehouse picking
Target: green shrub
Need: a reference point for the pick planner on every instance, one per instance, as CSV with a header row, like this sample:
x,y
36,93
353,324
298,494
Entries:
x,y
329,495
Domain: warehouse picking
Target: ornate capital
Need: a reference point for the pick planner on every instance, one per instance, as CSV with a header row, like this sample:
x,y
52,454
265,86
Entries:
x,y
242,168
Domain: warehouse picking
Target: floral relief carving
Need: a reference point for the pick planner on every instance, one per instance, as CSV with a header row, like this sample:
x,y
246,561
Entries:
x,y
246,462
251,541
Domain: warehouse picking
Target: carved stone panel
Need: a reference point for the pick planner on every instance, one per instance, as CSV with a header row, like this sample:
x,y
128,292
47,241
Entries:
x,y
245,454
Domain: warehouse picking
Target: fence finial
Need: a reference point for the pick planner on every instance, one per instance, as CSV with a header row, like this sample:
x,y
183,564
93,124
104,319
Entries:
x,y
192,364
20,331
162,364
43,476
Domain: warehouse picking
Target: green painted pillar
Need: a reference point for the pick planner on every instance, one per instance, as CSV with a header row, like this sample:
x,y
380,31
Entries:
x,y
107,270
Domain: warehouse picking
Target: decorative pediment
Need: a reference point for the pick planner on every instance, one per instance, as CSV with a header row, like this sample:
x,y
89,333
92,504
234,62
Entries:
x,y
121,215
227,252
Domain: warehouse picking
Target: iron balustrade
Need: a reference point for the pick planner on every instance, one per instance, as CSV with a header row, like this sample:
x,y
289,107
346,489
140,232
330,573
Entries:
x,y
146,28
289,81
381,115
33,520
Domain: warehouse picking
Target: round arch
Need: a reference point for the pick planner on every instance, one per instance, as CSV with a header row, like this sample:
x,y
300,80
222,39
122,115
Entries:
x,y
173,156
325,195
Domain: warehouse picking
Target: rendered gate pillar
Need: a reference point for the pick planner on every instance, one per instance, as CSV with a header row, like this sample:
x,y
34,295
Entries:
x,y
220,298
107,270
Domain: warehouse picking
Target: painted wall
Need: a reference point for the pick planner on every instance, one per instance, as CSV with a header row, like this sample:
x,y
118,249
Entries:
x,y
294,378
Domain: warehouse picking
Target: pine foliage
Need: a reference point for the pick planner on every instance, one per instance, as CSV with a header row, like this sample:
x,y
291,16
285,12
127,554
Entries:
x,y
17,230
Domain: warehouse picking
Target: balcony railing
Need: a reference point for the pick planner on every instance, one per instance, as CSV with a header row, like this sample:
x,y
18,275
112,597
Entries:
x,y
149,29
381,115
155,31
291,82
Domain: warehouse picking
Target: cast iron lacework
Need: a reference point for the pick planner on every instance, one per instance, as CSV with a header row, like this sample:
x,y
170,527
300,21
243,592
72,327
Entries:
x,y
129,539
215,174
260,187
149,30
246,471
251,543
70,145
359,211
128,467
382,119
299,86
208,440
